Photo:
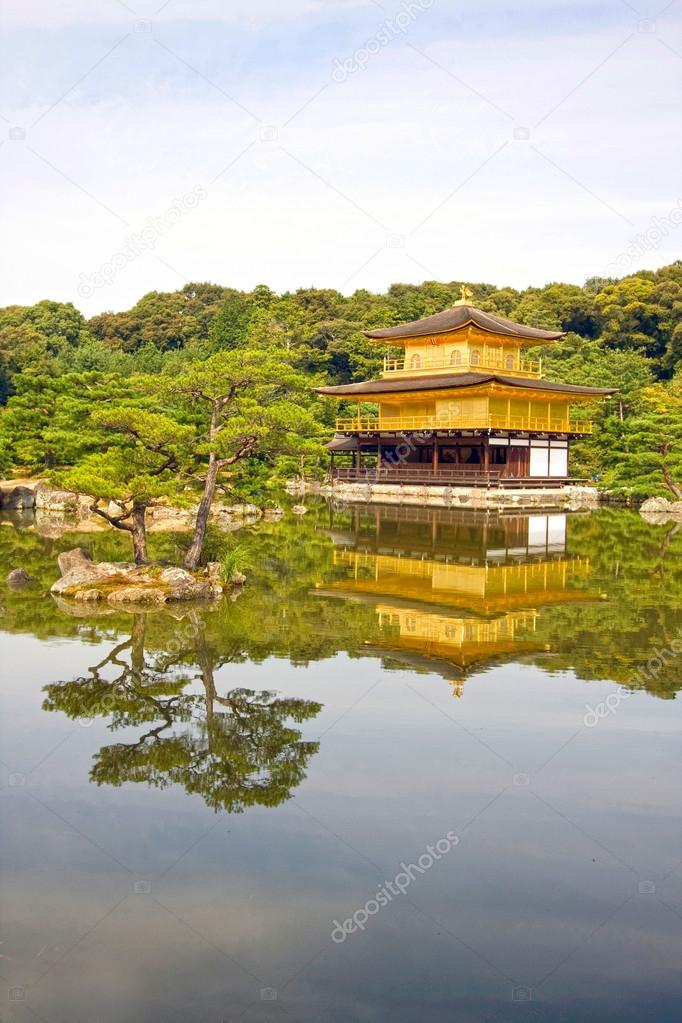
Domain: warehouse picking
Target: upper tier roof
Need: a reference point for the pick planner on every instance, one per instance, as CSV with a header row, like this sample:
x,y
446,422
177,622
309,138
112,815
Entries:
x,y
458,380
459,316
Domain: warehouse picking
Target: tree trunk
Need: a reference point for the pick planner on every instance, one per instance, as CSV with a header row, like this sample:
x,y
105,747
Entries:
x,y
137,637
133,522
138,532
205,662
197,546
670,483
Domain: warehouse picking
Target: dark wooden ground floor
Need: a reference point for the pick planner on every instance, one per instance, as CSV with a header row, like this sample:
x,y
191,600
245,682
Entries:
x,y
467,459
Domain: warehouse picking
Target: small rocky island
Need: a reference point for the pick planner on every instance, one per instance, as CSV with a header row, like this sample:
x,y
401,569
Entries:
x,y
84,580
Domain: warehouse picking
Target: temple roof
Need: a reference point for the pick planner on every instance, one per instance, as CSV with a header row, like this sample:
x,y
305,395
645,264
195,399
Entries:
x,y
459,316
341,443
437,383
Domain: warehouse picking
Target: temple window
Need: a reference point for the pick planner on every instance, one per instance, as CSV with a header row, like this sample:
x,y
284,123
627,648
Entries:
x,y
456,358
509,362
475,357
415,362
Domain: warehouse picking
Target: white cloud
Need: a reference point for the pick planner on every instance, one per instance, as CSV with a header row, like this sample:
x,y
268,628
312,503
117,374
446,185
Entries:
x,y
48,14
393,144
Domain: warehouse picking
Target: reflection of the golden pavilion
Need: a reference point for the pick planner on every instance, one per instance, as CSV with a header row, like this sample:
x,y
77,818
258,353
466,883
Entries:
x,y
453,590
483,588
456,642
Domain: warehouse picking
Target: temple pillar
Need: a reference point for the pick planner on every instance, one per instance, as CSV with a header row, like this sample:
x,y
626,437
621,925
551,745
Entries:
x,y
435,456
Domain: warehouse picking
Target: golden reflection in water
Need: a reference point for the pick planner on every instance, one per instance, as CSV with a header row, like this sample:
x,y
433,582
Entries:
x,y
453,597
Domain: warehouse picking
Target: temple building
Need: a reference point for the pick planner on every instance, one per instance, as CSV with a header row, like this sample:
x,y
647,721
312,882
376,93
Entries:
x,y
462,405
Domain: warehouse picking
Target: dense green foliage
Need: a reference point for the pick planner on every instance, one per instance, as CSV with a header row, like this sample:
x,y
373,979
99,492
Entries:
x,y
56,366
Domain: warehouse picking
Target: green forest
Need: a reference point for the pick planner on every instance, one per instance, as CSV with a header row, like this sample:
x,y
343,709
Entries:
x,y
212,382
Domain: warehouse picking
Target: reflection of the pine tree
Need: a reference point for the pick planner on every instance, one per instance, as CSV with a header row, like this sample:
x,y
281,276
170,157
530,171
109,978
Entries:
x,y
234,750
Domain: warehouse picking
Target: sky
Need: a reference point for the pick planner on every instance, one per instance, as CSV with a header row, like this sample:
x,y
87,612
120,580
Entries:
x,y
334,143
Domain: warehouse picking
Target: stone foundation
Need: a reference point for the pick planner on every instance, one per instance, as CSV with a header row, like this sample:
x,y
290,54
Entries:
x,y
566,498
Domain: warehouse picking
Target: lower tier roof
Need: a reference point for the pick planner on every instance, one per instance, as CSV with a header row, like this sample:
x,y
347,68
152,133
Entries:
x,y
457,380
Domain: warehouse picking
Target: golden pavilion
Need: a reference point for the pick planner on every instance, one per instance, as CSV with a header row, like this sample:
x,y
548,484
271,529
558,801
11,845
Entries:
x,y
462,405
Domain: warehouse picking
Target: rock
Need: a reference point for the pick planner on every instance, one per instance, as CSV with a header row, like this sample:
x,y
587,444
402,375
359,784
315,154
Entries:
x,y
88,596
18,578
299,509
68,560
229,513
55,524
138,595
214,571
164,519
273,514
52,500
78,576
656,506
659,510
184,585
18,498
114,509
237,578
71,582
87,574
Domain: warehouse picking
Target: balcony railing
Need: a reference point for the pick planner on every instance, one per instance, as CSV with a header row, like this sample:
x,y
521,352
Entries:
x,y
484,421
451,475
487,363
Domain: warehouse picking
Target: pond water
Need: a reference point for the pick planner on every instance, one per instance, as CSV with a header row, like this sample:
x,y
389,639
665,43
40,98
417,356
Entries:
x,y
424,767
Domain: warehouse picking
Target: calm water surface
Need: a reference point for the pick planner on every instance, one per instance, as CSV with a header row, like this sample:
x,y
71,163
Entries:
x,y
425,767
